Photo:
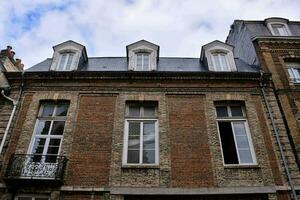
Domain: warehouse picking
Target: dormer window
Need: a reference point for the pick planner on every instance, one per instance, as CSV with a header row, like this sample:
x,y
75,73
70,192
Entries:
x,y
65,63
220,62
142,62
218,56
278,26
280,30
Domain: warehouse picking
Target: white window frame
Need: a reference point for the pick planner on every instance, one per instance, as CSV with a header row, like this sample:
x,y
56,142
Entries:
x,y
219,54
141,120
144,68
48,137
233,119
294,72
68,54
271,28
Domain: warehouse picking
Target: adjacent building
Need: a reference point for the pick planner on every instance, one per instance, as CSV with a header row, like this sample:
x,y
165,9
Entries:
x,y
149,127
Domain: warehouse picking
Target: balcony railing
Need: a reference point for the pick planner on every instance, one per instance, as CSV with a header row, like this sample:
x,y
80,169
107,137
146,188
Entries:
x,y
38,167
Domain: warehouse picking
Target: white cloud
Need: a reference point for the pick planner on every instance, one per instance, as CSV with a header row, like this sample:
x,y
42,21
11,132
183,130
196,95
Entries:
x,y
105,27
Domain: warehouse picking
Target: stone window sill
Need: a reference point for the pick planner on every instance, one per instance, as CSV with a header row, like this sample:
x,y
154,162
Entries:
x,y
241,166
140,166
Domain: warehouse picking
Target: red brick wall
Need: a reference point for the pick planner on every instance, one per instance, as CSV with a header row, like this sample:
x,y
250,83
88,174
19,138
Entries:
x,y
89,160
190,155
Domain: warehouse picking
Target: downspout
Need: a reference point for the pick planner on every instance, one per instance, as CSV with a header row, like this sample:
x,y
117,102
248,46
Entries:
x,y
15,103
285,165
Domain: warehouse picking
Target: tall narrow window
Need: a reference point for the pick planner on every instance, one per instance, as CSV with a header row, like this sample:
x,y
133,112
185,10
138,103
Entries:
x,y
142,62
65,63
234,134
48,133
141,134
220,62
280,30
294,72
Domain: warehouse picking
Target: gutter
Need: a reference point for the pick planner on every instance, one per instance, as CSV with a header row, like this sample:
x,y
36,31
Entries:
x,y
15,104
285,164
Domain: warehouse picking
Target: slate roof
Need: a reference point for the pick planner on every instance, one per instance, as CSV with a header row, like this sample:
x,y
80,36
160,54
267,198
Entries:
x,y
165,64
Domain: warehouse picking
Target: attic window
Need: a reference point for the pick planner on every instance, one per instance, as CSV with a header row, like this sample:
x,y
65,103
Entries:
x,y
220,61
65,62
280,29
142,62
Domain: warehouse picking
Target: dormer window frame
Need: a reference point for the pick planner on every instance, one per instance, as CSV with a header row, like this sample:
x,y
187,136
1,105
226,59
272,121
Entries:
x,y
219,53
68,54
272,22
143,52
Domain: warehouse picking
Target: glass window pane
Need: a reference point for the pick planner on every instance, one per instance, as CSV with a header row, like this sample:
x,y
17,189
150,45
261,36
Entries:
x,y
139,62
239,128
217,62
148,156
54,142
58,128
228,145
149,135
134,136
222,111
146,62
134,110
69,62
133,156
149,110
236,111
51,158
43,128
47,110
245,156
61,109
223,62
62,62
38,146
53,150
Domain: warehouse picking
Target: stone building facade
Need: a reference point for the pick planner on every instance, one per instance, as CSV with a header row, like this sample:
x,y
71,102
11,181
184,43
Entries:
x,y
147,127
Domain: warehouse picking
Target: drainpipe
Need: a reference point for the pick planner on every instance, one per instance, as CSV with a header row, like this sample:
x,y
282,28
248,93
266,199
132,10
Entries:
x,y
15,103
285,165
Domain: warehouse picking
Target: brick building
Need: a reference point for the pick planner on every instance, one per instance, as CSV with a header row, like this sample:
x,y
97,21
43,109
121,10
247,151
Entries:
x,y
147,127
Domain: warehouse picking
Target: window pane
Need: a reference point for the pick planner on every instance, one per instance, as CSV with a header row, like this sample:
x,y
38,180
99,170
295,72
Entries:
x,y
236,111
133,156
245,156
47,110
134,136
43,128
223,62
51,158
146,62
134,110
217,62
222,111
69,62
227,141
62,62
38,146
139,62
61,109
148,156
149,110
58,128
54,142
149,135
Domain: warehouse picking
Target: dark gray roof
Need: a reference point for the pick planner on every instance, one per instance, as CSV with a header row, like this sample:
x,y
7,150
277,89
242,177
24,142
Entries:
x,y
164,64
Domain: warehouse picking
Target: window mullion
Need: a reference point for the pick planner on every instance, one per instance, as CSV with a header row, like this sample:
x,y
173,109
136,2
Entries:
x,y
141,142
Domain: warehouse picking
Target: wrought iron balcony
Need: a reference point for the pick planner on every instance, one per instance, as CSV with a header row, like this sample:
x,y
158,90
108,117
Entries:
x,y
36,167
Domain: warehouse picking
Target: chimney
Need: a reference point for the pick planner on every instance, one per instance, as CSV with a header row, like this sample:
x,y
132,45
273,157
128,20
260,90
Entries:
x,y
19,64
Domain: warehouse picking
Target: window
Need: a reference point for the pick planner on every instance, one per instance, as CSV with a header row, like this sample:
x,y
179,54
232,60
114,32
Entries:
x,y
48,133
65,63
31,198
294,72
142,62
280,30
220,62
234,134
141,134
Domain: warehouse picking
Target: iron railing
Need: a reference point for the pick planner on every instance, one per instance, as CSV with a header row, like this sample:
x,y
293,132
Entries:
x,y
28,166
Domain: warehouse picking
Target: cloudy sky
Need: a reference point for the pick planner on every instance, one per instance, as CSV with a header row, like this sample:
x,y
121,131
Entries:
x,y
105,27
